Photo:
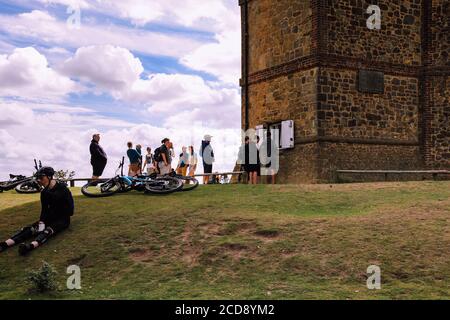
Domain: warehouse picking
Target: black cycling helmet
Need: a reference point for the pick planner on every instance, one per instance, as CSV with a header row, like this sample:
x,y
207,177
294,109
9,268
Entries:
x,y
45,172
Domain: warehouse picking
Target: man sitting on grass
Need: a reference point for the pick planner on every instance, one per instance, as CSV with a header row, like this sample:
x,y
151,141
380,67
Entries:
x,y
57,207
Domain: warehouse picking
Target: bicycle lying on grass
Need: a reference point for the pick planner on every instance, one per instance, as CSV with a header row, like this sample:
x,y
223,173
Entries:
x,y
122,183
21,183
189,183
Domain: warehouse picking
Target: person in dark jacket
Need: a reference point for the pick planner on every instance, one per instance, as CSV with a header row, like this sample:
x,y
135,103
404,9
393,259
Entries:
x,y
207,154
57,208
249,158
98,157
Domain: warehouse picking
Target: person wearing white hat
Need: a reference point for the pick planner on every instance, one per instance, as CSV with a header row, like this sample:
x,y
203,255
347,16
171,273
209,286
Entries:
x,y
207,153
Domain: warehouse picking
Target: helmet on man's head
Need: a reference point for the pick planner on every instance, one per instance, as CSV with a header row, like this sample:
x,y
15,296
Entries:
x,y
45,172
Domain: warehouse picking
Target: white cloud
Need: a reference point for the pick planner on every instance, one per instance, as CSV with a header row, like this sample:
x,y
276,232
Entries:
x,y
26,73
210,16
221,59
37,15
110,68
41,27
83,4
178,97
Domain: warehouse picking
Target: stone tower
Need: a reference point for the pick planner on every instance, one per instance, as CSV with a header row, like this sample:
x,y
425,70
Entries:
x,y
366,82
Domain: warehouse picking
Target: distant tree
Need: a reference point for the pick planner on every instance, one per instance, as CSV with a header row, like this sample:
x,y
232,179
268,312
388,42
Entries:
x,y
64,174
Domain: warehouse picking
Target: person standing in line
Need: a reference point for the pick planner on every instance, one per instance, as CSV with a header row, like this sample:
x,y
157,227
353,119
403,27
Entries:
x,y
139,150
183,162
165,158
207,154
134,158
98,157
193,160
148,163
248,154
171,152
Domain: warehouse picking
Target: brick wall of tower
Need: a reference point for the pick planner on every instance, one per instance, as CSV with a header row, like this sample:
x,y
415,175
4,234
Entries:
x,y
437,83
303,64
291,97
398,41
345,112
439,36
279,32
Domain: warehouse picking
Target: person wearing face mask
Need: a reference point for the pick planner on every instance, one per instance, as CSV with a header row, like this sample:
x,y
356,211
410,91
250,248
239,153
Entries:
x,y
57,208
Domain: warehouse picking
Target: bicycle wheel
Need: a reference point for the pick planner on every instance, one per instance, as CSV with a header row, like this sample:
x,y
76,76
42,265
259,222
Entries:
x,y
163,185
28,187
125,188
189,183
8,185
101,188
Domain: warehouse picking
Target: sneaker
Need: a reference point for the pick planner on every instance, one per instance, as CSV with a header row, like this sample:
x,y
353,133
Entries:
x,y
25,248
3,246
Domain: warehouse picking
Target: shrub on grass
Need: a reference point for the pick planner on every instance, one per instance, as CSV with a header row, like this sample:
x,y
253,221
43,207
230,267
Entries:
x,y
43,279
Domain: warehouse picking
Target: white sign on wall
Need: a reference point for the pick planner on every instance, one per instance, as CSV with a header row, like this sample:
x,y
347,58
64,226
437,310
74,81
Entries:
x,y
287,134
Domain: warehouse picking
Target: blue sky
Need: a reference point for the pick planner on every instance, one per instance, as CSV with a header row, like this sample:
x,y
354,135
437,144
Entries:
x,y
135,70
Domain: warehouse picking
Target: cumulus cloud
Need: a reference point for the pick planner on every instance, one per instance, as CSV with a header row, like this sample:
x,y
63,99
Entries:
x,y
178,97
83,4
221,58
109,67
218,14
25,73
42,27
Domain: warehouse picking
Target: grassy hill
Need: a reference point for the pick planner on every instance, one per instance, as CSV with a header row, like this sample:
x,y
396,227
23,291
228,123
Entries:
x,y
240,242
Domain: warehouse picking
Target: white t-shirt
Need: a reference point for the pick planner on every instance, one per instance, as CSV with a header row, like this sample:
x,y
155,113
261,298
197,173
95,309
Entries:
x,y
193,159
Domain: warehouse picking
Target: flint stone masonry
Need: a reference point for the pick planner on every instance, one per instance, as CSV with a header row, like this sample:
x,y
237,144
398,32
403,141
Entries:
x,y
301,62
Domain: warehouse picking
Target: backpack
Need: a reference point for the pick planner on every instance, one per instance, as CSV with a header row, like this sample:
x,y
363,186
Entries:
x,y
157,155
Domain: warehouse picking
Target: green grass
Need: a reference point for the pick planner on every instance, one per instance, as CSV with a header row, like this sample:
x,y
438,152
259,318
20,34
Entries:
x,y
244,242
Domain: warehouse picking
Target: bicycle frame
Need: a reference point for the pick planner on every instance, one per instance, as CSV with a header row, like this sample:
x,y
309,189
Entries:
x,y
128,180
9,185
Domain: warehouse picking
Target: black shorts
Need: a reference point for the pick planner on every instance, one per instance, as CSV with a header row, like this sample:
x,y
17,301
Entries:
x,y
207,168
97,168
251,168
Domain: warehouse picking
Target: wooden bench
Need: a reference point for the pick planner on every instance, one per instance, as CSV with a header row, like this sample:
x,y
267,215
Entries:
x,y
435,173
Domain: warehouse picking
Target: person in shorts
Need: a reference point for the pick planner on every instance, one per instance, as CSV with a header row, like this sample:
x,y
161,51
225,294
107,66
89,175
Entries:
x,y
165,160
207,154
148,162
135,160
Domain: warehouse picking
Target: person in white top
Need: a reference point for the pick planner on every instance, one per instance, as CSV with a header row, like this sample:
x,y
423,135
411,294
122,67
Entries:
x,y
183,163
193,160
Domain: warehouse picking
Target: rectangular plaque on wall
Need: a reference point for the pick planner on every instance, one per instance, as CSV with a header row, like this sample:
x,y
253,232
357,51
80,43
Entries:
x,y
370,81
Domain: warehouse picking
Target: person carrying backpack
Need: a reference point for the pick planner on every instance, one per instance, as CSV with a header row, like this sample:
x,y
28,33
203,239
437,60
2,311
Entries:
x,y
57,208
163,158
